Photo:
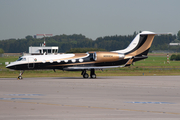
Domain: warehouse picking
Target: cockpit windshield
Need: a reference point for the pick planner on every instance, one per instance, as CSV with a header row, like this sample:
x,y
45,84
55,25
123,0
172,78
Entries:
x,y
21,59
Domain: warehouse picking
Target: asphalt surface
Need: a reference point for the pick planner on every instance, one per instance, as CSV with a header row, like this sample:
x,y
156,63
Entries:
x,y
107,98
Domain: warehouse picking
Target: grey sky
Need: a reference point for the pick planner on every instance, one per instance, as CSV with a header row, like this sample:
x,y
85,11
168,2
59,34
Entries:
x,y
92,18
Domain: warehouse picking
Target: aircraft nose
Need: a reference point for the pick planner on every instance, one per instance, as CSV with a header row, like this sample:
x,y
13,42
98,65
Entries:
x,y
11,66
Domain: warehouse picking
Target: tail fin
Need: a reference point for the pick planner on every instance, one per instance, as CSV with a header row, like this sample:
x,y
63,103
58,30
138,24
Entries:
x,y
139,46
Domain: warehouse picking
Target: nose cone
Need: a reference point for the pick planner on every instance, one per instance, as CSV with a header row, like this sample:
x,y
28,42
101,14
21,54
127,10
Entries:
x,y
10,66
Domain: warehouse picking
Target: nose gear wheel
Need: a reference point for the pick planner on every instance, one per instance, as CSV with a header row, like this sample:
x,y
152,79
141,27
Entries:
x,y
20,75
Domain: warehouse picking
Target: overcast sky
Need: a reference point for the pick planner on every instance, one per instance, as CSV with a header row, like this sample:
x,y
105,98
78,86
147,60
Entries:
x,y
92,18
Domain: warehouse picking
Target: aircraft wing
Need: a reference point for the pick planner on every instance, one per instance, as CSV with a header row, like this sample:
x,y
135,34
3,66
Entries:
x,y
128,63
91,67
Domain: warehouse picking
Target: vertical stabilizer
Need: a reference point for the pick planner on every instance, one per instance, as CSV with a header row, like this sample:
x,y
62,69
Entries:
x,y
140,45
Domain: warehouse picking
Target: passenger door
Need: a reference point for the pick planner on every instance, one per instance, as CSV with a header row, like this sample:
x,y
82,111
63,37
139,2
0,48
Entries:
x,y
31,63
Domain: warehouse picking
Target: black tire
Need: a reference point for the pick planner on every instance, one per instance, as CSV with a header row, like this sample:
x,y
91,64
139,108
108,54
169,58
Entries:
x,y
93,76
85,75
20,77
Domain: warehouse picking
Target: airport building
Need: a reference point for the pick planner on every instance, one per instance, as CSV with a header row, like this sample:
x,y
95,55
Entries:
x,y
43,50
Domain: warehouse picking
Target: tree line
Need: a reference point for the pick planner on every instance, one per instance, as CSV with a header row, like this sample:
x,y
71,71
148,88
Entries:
x,y
175,57
68,43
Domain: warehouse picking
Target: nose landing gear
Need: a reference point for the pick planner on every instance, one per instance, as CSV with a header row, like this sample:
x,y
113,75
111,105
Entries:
x,y
20,75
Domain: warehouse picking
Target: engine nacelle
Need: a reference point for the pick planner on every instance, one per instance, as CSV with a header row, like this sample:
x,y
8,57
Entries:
x,y
107,56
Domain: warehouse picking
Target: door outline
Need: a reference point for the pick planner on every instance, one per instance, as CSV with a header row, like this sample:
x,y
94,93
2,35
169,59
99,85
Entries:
x,y
31,63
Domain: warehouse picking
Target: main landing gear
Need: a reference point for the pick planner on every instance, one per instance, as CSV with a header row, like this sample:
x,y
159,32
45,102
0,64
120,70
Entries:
x,y
20,75
92,74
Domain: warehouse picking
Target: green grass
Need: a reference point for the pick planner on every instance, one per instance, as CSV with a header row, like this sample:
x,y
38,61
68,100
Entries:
x,y
153,65
6,59
157,62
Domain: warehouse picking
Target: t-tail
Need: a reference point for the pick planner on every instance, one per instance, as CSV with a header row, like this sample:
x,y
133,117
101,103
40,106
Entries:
x,y
139,47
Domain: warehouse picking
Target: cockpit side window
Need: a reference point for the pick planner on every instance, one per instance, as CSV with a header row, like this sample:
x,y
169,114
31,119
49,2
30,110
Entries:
x,y
24,59
21,59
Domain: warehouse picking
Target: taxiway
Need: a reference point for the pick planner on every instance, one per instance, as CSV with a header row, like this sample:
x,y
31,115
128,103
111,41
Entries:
x,y
123,97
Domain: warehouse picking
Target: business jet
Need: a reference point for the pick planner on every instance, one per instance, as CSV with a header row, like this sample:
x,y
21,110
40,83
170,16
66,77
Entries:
x,y
137,50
